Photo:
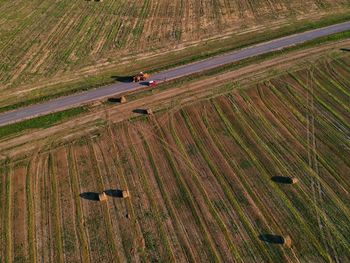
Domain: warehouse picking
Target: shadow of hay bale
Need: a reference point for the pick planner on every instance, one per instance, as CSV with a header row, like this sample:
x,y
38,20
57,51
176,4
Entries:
x,y
114,193
276,239
91,196
273,239
345,49
284,179
143,111
121,99
113,99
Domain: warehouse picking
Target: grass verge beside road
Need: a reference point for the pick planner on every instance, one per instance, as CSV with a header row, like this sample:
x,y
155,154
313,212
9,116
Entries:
x,y
40,122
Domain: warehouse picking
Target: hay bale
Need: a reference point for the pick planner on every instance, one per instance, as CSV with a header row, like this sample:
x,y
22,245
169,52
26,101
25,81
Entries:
x,y
294,180
149,112
287,241
122,99
285,179
102,197
125,194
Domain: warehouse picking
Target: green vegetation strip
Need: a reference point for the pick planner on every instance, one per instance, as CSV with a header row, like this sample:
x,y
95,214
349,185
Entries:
x,y
40,122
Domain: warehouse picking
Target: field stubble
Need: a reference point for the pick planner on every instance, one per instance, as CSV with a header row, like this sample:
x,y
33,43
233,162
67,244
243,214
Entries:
x,y
200,181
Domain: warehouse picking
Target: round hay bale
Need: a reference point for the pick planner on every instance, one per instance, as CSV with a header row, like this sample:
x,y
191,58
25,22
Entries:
x,y
122,99
285,179
149,112
102,197
294,180
287,241
125,194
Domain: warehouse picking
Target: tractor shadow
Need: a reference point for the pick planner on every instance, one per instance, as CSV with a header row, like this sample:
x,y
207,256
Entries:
x,y
125,79
272,239
91,196
114,193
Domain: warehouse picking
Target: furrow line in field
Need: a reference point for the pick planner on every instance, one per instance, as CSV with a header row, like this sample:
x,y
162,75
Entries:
x,y
30,183
55,209
7,240
149,192
188,198
19,216
3,178
78,208
212,209
42,219
69,235
178,226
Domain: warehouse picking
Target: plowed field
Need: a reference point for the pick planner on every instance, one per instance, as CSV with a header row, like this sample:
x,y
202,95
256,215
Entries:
x,y
200,180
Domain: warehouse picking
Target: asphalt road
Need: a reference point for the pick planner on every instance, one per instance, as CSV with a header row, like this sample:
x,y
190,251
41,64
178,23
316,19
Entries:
x,y
117,88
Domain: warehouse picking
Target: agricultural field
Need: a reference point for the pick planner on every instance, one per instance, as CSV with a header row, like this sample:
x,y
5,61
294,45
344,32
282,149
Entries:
x,y
200,179
59,40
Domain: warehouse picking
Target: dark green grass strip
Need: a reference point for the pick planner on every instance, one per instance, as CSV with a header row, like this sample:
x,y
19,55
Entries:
x,y
40,122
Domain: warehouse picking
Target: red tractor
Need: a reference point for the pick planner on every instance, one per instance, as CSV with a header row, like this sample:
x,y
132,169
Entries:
x,y
140,77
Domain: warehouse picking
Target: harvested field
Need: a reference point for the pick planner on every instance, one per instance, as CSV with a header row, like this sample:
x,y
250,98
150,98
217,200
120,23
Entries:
x,y
200,181
42,40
